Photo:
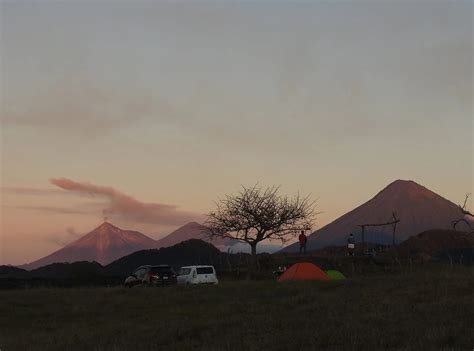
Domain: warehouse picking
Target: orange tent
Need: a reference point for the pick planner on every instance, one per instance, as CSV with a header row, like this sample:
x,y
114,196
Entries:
x,y
304,271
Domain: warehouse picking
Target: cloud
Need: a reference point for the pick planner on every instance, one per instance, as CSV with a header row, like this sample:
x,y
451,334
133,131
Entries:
x,y
51,209
17,190
125,207
80,107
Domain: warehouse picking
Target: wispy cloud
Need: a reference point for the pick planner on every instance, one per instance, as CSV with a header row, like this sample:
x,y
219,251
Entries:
x,y
52,209
17,190
125,207
80,107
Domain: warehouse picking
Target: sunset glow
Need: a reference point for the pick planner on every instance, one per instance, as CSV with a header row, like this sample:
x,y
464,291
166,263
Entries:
x,y
148,112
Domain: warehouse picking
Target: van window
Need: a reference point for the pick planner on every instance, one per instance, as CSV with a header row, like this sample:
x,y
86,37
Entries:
x,y
184,271
205,270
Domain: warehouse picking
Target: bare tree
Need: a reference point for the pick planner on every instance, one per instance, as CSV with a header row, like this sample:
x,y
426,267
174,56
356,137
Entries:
x,y
465,213
463,207
255,214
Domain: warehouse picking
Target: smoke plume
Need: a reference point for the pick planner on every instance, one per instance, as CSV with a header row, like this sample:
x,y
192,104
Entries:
x,y
125,207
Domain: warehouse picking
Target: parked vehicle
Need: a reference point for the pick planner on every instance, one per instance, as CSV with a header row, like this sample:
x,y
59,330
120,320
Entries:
x,y
151,276
197,275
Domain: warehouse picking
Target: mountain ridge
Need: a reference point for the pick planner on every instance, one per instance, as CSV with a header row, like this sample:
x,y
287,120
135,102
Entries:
x,y
418,208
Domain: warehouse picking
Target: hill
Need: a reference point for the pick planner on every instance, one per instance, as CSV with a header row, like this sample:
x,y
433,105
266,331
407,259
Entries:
x,y
439,245
85,273
104,244
8,270
418,209
193,251
76,270
59,275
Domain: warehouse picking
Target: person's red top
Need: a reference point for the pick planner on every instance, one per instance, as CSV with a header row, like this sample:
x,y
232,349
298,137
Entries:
x,y
302,238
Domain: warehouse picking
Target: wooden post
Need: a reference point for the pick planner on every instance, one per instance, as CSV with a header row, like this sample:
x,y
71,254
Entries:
x,y
393,223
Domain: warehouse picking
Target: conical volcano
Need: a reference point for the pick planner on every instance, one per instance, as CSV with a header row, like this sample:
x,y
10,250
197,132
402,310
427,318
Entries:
x,y
191,230
417,207
104,244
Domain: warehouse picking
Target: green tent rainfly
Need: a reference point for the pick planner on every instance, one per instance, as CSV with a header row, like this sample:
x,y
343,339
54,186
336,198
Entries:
x,y
335,275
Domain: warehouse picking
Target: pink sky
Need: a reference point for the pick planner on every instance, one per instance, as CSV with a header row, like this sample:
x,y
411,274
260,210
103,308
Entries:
x,y
148,112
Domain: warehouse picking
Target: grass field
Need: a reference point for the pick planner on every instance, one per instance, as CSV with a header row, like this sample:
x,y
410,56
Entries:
x,y
430,308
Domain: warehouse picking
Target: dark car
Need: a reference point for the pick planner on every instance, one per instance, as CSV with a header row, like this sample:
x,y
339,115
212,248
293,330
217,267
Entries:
x,y
152,276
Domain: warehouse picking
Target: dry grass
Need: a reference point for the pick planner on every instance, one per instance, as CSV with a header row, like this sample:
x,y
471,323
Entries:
x,y
430,308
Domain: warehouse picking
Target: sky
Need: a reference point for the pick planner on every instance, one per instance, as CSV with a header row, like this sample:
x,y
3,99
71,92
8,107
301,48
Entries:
x,y
147,112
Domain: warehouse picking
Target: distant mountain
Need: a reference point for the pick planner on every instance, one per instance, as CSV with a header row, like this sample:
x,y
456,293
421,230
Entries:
x,y
104,244
418,209
191,230
107,243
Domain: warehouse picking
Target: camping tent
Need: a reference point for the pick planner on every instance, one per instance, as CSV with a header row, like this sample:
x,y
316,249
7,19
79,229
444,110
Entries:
x,y
304,271
335,275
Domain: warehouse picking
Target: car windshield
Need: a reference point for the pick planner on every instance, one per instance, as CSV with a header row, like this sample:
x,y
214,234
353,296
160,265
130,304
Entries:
x,y
184,271
205,270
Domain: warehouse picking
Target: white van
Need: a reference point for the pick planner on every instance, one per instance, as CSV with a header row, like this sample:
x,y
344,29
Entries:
x,y
197,275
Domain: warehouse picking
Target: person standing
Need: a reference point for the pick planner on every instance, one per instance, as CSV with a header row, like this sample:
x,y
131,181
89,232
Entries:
x,y
302,239
350,245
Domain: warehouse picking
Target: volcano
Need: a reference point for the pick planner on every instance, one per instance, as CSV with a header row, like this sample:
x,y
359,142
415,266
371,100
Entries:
x,y
104,244
418,208
191,230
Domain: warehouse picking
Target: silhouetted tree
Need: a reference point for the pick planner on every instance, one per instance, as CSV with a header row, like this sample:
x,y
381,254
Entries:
x,y
465,214
255,214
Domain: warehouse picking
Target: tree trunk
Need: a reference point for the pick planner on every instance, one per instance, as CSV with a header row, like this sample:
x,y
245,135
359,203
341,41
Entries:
x,y
254,251
253,246
253,260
